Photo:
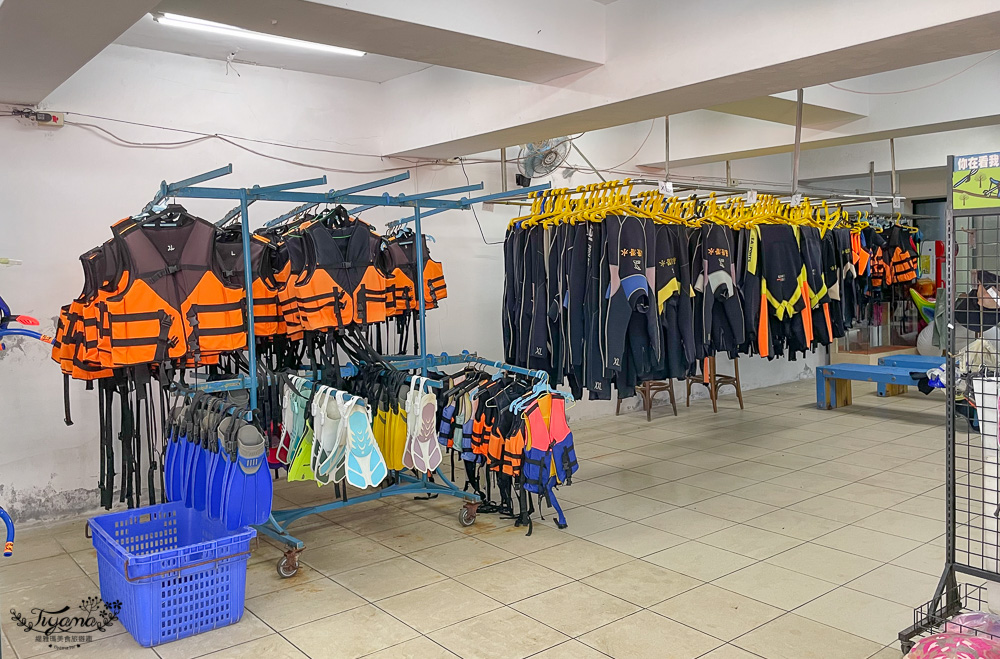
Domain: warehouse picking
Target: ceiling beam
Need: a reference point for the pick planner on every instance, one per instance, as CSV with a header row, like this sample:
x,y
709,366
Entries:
x,y
782,111
44,42
496,113
518,39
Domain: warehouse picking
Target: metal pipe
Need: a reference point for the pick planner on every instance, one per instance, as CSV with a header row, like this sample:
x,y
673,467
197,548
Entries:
x,y
892,163
419,279
248,282
729,173
503,168
871,176
587,160
951,246
842,199
666,147
798,140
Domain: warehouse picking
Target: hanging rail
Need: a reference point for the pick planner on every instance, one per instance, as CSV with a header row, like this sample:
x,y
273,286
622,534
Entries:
x,y
288,192
467,203
276,526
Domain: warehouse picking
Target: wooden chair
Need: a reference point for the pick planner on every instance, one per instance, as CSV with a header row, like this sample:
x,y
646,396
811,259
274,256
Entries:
x,y
647,390
714,381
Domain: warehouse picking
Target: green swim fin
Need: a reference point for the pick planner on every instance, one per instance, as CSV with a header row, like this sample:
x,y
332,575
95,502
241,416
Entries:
x,y
299,469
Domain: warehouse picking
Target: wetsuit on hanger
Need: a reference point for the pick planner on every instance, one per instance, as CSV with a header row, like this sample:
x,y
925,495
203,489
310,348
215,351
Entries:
x,y
673,301
848,284
811,249
536,291
513,290
575,262
596,313
632,314
721,311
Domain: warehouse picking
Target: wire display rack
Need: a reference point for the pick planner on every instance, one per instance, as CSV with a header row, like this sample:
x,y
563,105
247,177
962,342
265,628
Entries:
x,y
968,598
972,485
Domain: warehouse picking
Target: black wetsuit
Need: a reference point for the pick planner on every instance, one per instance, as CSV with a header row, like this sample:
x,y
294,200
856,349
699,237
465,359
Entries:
x,y
721,309
633,328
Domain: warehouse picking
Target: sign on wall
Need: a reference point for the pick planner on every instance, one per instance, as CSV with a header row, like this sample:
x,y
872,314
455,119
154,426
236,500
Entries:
x,y
976,181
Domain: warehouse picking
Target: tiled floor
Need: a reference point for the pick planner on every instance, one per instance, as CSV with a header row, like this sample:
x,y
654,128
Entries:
x,y
781,531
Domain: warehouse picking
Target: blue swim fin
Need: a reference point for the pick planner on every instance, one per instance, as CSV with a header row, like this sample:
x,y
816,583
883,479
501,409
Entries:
x,y
203,459
258,488
365,465
221,464
193,449
171,480
248,488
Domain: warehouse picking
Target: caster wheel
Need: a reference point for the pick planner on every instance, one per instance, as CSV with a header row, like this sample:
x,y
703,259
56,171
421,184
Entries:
x,y
465,517
287,568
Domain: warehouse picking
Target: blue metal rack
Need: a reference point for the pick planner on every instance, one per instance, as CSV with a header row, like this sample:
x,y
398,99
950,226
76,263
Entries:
x,y
277,525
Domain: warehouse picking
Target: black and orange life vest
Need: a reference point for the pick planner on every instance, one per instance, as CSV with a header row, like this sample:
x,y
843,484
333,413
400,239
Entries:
x,y
401,264
75,345
495,448
902,256
340,284
98,264
228,268
481,431
289,262
513,451
168,300
880,274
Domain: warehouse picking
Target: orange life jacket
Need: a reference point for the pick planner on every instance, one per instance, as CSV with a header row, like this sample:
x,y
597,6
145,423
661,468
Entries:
x,y
267,320
903,256
482,429
59,339
289,263
880,275
401,264
75,343
340,284
513,452
495,448
167,297
227,267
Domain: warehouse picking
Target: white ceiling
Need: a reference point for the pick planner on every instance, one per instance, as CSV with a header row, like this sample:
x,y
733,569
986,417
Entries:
x,y
44,42
149,34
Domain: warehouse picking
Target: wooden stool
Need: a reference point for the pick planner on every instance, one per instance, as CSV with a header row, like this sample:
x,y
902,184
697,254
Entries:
x,y
649,389
714,381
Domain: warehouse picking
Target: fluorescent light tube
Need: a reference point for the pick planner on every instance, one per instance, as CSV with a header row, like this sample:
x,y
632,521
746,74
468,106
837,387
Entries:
x,y
229,30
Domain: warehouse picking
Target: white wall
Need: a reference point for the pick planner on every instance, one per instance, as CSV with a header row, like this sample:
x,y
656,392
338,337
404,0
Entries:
x,y
61,189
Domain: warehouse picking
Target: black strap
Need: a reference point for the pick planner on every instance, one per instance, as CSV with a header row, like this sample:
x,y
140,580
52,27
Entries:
x,y
125,435
102,482
162,341
156,275
68,418
138,388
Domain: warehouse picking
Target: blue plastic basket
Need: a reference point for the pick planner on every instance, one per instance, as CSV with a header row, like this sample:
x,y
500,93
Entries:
x,y
176,572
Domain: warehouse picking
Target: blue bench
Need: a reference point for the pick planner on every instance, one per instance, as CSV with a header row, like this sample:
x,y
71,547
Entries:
x,y
833,383
915,363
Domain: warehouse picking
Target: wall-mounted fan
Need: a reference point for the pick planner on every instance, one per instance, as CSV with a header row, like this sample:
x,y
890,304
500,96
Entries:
x,y
542,158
